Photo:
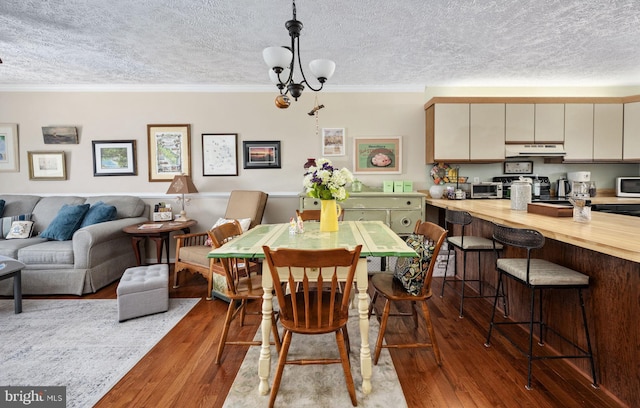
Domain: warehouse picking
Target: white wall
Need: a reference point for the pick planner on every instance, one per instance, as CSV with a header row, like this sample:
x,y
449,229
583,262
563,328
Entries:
x,y
253,116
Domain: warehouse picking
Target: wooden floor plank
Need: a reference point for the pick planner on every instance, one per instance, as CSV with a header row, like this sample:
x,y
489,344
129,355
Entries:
x,y
179,371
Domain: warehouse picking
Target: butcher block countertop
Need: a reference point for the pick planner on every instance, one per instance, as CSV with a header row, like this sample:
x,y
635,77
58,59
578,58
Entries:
x,y
612,234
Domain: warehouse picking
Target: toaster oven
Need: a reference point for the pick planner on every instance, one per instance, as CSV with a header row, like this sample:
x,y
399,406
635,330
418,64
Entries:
x,y
491,189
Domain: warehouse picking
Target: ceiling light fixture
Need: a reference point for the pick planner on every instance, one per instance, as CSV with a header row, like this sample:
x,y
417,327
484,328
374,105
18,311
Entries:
x,y
282,61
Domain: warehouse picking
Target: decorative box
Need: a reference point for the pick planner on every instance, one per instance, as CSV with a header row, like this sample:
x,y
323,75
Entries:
x,y
163,216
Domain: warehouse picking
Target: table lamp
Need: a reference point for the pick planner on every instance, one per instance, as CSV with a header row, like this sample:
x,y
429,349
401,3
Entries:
x,y
182,184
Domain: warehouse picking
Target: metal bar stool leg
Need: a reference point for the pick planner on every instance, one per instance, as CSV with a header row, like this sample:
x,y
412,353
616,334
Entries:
x,y
531,319
464,279
446,270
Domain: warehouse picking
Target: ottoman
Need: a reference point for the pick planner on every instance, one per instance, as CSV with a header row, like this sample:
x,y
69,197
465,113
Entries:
x,y
143,290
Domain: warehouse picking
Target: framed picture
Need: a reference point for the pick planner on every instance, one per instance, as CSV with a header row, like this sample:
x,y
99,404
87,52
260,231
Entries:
x,y
169,151
261,155
47,166
377,155
333,142
9,155
60,134
114,158
219,154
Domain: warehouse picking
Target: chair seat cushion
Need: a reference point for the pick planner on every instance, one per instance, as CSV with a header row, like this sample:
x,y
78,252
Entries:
x,y
473,243
196,254
542,272
410,271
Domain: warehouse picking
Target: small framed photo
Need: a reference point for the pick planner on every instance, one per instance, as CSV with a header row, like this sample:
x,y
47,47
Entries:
x,y
261,155
169,151
114,158
219,154
9,155
333,142
377,155
60,134
47,166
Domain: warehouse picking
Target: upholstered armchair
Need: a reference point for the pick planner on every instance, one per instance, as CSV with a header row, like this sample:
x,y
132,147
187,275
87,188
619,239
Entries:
x,y
192,250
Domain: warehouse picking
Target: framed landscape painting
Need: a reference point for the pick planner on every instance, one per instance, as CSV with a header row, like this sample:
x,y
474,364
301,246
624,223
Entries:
x,y
169,151
261,155
377,155
60,134
9,157
114,158
219,154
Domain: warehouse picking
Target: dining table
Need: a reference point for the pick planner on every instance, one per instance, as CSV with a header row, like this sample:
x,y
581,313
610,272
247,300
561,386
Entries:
x,y
377,240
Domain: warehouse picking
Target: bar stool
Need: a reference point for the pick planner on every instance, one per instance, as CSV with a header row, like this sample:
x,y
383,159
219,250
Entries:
x,y
537,275
467,243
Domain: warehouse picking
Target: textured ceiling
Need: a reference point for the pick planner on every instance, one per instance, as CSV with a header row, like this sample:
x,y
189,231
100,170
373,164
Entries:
x,y
400,44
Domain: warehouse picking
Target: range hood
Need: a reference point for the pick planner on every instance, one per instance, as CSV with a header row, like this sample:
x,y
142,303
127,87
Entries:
x,y
540,149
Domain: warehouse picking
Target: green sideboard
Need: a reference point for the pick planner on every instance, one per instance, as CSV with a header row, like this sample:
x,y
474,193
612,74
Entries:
x,y
400,211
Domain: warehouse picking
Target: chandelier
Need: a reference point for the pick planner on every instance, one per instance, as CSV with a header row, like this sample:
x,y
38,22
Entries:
x,y
282,61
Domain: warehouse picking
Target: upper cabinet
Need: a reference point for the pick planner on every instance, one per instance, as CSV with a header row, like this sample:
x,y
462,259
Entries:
x,y
463,132
486,131
476,129
631,140
607,131
578,132
450,133
549,123
520,122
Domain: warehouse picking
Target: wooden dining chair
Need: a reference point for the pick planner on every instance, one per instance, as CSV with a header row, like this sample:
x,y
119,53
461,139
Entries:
x,y
392,289
311,309
243,285
314,215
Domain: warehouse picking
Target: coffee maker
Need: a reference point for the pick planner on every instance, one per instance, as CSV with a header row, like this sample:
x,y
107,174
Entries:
x,y
577,184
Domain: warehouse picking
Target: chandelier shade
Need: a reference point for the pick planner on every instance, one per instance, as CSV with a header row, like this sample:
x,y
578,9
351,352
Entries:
x,y
282,65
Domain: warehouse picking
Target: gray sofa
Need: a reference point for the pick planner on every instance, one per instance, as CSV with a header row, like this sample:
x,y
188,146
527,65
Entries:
x,y
96,255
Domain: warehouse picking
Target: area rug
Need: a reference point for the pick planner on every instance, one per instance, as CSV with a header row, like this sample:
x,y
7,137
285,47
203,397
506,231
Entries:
x,y
78,344
319,385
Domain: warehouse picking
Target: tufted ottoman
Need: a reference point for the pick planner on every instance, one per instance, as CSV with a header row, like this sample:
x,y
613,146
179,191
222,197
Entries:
x,y
143,290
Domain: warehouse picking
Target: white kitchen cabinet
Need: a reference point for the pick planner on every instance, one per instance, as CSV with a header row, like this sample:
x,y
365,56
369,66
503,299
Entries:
x,y
631,132
607,131
451,132
549,123
487,127
519,122
578,132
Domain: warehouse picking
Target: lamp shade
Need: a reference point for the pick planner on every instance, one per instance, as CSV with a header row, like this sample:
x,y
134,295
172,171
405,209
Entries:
x,y
277,57
322,68
182,184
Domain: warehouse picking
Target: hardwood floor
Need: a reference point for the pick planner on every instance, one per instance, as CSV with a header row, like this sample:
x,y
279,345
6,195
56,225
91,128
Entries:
x,y
179,371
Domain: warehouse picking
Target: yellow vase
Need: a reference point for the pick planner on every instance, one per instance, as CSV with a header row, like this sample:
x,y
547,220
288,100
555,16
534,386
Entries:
x,y
329,213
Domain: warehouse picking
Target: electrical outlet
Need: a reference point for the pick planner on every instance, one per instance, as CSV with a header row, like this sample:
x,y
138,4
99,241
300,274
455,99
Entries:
x,y
476,179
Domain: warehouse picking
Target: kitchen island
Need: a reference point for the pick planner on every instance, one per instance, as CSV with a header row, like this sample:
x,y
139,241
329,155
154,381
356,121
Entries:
x,y
608,250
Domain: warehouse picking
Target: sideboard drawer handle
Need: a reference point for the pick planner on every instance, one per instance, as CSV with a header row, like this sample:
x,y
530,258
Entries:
x,y
406,222
408,202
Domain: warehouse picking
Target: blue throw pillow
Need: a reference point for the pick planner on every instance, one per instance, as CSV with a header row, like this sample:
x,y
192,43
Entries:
x,y
1,207
99,212
66,222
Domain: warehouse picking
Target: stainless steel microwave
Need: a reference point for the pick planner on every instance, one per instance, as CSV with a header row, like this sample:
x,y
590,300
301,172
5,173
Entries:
x,y
486,190
628,187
